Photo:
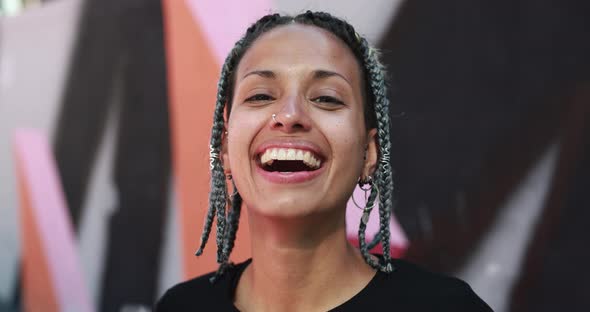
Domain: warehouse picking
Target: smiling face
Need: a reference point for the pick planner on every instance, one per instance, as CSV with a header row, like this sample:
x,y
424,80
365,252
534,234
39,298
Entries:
x,y
297,141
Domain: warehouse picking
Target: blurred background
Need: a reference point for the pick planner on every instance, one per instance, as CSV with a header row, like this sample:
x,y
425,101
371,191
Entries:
x,y
105,109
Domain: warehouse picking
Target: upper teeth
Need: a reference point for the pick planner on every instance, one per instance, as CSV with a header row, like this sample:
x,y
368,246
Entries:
x,y
273,154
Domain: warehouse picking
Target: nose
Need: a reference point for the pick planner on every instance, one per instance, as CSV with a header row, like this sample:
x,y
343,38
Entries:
x,y
292,117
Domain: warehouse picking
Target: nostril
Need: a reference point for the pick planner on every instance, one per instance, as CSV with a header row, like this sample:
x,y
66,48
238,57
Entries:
x,y
288,122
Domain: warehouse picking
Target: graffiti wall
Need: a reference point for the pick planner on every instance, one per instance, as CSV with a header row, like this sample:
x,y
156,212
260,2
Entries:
x,y
105,117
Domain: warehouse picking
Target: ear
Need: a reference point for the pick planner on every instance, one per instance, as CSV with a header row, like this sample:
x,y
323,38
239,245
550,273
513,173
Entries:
x,y
224,156
371,153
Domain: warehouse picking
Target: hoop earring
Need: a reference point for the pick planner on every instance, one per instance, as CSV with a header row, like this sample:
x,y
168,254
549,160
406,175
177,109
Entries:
x,y
367,190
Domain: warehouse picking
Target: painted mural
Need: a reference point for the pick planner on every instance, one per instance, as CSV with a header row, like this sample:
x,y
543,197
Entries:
x,y
105,116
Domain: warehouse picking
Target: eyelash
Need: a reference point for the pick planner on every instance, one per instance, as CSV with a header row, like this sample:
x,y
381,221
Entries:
x,y
261,97
327,99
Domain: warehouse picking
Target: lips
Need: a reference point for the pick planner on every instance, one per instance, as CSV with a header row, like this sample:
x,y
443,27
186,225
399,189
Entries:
x,y
289,162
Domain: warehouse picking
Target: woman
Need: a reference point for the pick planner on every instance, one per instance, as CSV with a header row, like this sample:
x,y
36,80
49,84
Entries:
x,y
307,120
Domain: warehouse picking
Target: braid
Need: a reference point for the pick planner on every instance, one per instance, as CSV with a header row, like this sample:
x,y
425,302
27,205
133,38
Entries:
x,y
218,194
233,219
383,175
218,186
363,227
376,115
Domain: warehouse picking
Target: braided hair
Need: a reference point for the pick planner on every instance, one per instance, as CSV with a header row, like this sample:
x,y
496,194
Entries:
x,y
376,111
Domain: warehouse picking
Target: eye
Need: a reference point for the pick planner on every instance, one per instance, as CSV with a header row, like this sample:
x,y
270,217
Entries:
x,y
259,98
327,100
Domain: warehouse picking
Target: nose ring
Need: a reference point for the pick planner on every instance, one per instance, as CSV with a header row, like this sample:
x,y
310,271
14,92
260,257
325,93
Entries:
x,y
274,118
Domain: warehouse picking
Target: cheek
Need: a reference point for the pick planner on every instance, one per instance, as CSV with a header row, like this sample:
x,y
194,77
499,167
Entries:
x,y
238,146
238,157
348,143
349,150
242,126
348,134
242,129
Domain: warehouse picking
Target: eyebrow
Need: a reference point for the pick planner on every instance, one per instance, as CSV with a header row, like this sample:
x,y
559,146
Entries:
x,y
262,73
317,74
323,74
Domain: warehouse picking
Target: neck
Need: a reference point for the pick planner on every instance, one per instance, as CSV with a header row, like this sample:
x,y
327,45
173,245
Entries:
x,y
296,265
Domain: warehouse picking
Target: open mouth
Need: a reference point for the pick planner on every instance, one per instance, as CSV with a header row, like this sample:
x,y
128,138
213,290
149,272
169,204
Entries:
x,y
289,160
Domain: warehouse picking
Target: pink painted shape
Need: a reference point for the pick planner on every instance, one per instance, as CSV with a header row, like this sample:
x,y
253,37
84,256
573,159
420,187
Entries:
x,y
397,241
52,218
225,21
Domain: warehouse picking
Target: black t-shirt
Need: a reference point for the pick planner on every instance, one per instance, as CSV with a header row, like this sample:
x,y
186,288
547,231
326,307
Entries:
x,y
407,288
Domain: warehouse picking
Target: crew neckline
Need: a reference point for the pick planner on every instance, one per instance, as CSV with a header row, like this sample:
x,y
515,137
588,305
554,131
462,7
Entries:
x,y
239,270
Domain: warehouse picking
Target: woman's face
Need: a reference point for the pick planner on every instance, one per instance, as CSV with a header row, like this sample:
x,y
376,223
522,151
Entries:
x,y
308,158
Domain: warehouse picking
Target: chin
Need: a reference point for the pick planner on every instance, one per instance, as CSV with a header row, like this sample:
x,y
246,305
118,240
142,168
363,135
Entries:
x,y
297,207
285,207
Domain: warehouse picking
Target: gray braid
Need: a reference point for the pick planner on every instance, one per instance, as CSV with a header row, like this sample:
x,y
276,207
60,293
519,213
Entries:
x,y
363,228
383,177
233,220
218,193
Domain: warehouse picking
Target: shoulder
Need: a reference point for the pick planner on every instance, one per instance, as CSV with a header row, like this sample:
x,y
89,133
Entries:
x,y
412,286
199,294
186,296
416,278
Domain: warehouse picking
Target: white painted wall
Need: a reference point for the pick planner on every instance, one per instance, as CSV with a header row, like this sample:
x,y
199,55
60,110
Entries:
x,y
496,263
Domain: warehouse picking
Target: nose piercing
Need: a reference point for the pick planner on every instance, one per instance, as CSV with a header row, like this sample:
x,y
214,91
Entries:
x,y
274,118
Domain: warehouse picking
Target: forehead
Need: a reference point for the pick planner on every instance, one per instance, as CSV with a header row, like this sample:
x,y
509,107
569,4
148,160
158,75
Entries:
x,y
295,47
